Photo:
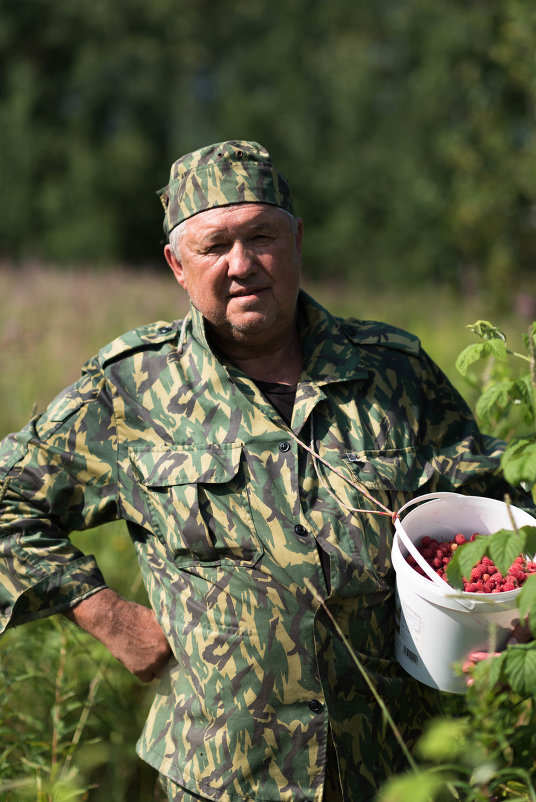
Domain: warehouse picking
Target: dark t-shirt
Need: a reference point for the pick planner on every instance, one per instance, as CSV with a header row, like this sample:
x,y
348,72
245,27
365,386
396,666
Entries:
x,y
280,396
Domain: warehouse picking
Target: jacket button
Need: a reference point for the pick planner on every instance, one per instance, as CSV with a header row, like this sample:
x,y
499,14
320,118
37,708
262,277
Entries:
x,y
300,530
315,706
284,446
165,329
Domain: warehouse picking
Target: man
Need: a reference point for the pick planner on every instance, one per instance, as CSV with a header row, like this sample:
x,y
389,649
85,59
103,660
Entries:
x,y
255,450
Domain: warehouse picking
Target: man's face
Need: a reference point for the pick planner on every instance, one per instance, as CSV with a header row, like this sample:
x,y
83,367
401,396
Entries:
x,y
240,265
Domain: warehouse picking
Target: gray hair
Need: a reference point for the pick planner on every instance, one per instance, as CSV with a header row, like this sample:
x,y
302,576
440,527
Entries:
x,y
176,234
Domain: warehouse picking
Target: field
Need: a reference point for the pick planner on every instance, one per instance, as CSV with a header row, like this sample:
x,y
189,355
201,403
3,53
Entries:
x,y
69,715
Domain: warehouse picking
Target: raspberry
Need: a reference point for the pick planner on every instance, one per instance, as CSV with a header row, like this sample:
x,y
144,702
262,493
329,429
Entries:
x,y
485,578
517,571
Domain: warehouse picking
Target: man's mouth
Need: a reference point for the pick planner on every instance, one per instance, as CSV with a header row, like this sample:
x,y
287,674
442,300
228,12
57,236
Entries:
x,y
247,292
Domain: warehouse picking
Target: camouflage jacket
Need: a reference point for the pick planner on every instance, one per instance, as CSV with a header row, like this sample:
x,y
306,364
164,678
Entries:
x,y
229,517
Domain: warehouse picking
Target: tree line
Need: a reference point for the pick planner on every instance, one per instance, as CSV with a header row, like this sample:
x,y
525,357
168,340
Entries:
x,y
406,129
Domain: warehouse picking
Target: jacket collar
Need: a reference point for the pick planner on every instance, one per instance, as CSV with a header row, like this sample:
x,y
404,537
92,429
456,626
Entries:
x,y
329,351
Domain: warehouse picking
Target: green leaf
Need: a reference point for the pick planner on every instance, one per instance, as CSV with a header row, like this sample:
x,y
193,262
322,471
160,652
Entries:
x,y
520,668
444,739
419,787
521,392
504,547
527,602
454,572
519,461
529,534
472,353
487,331
497,395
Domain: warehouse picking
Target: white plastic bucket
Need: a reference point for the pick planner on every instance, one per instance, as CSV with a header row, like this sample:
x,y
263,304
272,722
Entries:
x,y
436,625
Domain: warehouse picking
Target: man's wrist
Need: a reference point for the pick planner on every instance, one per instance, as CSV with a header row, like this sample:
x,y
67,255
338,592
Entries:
x,y
97,614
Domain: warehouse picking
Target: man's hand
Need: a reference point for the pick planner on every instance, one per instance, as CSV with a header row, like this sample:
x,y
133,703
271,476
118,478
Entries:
x,y
129,631
520,634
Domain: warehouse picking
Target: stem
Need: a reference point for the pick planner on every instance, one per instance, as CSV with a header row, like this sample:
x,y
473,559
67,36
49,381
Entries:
x,y
56,710
366,677
532,356
82,721
521,356
508,502
523,775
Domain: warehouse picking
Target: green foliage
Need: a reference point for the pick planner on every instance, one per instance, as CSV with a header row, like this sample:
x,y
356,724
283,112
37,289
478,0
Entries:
x,y
488,752
66,707
519,461
506,402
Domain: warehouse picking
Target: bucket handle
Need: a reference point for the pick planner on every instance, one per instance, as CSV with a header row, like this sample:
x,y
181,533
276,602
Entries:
x,y
467,604
433,496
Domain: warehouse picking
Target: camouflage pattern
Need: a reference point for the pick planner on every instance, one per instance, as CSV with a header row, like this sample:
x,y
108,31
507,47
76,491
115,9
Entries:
x,y
219,175
189,453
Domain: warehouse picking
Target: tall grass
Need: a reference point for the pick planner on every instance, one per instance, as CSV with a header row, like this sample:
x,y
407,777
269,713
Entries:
x,y
69,714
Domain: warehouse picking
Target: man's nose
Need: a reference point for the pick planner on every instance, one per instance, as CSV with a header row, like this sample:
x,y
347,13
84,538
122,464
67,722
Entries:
x,y
240,259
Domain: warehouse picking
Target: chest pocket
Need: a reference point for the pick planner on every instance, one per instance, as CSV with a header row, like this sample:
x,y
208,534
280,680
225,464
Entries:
x,y
391,475
198,502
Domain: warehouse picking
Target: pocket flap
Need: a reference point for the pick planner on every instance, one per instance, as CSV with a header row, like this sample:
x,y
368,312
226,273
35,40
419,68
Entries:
x,y
184,465
396,469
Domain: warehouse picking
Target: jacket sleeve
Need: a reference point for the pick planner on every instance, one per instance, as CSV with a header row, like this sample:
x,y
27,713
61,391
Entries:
x,y
57,475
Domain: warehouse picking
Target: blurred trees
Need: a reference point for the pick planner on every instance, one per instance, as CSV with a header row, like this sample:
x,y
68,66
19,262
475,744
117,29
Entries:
x,y
407,129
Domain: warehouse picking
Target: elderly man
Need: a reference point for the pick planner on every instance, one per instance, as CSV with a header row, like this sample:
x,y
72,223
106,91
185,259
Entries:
x,y
255,450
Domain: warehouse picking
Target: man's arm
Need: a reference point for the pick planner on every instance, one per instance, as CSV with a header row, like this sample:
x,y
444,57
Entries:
x,y
128,630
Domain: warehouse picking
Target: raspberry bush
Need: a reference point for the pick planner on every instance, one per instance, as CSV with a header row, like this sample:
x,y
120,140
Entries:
x,y
484,748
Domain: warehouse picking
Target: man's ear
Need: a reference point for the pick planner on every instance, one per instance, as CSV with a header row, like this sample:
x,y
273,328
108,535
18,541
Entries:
x,y
175,265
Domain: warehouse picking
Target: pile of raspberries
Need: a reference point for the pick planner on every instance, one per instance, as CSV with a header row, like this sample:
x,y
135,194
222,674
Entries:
x,y
485,578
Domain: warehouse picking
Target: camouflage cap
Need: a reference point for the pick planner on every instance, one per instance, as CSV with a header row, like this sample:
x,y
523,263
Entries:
x,y
219,175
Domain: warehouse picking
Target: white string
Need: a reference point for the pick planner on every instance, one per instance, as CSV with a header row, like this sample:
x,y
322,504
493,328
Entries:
x,y
359,487
183,334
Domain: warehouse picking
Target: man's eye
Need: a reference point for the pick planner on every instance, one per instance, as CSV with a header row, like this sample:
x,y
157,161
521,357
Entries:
x,y
215,247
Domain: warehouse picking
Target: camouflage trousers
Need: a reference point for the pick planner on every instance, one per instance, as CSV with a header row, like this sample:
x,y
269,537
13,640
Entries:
x,y
332,786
